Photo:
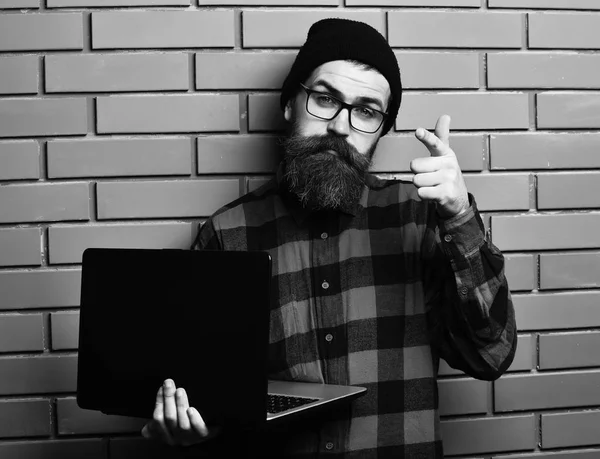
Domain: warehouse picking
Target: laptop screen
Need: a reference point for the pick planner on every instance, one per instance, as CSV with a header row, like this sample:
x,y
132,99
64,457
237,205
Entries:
x,y
198,317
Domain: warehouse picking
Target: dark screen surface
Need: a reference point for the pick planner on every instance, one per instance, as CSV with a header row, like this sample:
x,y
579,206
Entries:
x,y
198,317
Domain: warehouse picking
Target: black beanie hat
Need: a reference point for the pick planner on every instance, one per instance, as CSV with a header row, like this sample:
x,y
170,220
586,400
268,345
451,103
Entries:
x,y
342,39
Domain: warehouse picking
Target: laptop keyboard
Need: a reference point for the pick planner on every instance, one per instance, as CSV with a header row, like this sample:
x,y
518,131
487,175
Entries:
x,y
278,403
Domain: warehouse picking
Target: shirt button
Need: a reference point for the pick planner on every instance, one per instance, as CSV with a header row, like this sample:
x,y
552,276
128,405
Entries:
x,y
464,291
448,237
325,285
329,445
329,337
324,236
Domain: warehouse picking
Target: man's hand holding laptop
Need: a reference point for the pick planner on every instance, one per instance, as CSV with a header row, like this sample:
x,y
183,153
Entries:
x,y
174,421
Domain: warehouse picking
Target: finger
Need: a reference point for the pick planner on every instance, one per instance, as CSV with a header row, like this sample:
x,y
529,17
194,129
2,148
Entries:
x,y
197,422
157,427
170,409
424,165
435,146
429,193
442,129
181,400
428,179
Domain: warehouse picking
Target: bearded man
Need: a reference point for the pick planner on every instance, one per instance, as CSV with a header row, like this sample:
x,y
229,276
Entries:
x,y
373,280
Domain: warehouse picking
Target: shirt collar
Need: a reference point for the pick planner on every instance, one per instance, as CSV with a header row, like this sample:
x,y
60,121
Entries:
x,y
300,214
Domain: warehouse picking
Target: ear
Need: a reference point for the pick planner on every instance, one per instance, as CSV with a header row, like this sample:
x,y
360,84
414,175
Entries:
x,y
287,111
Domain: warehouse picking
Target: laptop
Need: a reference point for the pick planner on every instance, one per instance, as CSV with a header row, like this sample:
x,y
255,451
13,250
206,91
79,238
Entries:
x,y
200,318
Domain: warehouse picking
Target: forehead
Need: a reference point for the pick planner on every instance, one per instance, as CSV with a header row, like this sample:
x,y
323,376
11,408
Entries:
x,y
352,80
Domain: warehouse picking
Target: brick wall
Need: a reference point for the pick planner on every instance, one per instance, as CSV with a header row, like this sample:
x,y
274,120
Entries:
x,y
127,122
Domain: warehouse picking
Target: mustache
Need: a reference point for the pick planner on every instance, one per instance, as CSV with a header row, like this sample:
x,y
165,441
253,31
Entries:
x,y
299,146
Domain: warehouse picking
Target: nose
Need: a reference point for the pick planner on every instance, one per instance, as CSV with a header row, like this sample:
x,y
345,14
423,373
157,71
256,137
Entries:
x,y
340,125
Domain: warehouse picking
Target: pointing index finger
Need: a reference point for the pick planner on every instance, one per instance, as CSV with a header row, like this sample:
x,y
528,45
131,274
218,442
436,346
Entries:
x,y
442,129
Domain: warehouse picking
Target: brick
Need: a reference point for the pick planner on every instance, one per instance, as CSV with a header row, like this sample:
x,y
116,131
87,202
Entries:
x,y
104,3
249,70
255,183
264,113
24,418
520,272
63,449
468,110
568,110
571,454
462,396
570,270
43,31
563,190
73,420
544,151
67,243
39,289
19,4
288,29
190,198
119,157
543,70
449,3
488,435
545,4
395,152
244,154
432,70
168,113
162,29
526,354
64,330
19,160
42,117
117,72
436,29
525,357
539,232
557,311
570,429
34,375
140,448
548,390
21,333
19,74
44,202
564,30
569,350
270,2
20,247
499,191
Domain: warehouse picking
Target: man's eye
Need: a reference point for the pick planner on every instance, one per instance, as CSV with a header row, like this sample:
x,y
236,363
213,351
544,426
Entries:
x,y
325,100
364,112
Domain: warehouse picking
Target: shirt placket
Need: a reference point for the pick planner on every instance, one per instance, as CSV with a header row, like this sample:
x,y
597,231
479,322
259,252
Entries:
x,y
329,313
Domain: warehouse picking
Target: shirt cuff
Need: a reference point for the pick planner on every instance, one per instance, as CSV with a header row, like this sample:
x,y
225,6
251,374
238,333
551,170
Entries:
x,y
462,234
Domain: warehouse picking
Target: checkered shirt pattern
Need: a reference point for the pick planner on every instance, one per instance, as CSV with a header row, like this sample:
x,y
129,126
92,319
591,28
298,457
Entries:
x,y
374,297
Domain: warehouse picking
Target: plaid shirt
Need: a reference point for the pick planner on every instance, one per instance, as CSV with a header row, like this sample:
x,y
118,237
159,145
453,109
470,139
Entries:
x,y
374,297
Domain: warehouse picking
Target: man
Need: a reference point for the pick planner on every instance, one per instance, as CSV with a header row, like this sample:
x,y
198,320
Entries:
x,y
374,280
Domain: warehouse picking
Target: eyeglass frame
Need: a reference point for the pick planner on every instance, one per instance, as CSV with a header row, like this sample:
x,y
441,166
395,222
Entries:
x,y
343,105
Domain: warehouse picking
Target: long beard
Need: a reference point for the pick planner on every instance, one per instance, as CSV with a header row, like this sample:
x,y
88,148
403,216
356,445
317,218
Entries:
x,y
321,180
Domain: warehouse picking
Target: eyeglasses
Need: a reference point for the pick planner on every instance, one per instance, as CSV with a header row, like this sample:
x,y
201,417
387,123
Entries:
x,y
326,107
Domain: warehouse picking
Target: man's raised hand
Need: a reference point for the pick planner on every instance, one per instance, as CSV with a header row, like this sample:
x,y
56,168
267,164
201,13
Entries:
x,y
174,422
439,178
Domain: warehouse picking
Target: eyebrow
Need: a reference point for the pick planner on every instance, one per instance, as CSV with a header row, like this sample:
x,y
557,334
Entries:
x,y
363,100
